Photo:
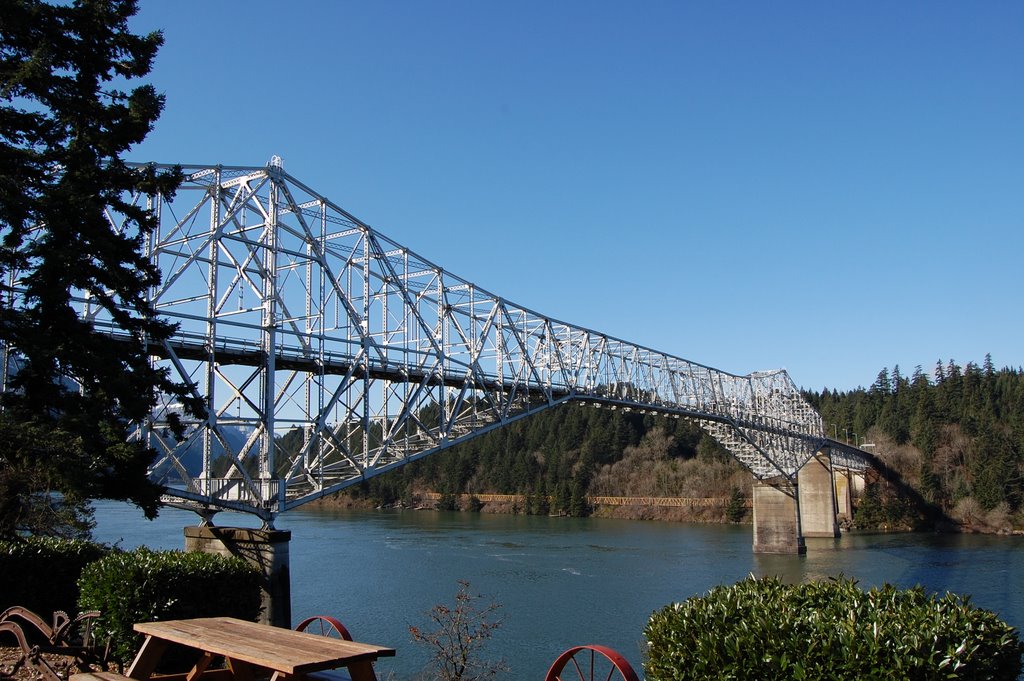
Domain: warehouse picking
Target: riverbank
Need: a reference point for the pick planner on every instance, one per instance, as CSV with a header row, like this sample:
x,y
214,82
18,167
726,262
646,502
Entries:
x,y
709,510
668,509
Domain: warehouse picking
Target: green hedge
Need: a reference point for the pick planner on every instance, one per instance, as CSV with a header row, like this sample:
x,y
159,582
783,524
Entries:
x,y
762,629
41,573
146,585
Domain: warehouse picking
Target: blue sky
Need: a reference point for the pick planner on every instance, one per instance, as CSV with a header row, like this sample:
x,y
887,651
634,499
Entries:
x,y
830,188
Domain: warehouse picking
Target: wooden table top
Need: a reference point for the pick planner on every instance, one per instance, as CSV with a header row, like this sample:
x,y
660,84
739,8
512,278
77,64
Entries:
x,y
282,650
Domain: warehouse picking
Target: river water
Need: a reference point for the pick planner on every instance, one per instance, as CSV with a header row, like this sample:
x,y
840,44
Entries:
x,y
565,581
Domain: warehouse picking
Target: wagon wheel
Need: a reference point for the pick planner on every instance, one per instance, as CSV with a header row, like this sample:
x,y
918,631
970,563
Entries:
x,y
78,637
77,631
591,663
324,625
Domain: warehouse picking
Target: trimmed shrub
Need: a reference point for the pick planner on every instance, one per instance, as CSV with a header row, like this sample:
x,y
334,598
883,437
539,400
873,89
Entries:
x,y
145,586
763,629
41,573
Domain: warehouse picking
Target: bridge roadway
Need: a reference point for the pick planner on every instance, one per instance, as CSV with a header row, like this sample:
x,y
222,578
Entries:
x,y
250,353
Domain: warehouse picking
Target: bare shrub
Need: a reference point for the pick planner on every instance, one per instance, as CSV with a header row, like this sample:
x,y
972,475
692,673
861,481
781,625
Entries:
x,y
647,470
459,635
1000,518
968,512
905,459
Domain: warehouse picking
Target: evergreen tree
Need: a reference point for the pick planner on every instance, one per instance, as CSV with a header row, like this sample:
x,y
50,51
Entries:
x,y
63,127
882,384
560,503
578,507
923,425
897,379
540,504
736,508
995,469
952,387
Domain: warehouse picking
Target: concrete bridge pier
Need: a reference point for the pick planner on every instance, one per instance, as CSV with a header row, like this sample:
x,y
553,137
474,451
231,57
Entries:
x,y
786,511
777,517
849,485
844,494
817,497
265,549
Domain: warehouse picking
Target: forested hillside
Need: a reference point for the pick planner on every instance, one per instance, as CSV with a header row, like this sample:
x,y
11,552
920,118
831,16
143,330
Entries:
x,y
956,435
557,457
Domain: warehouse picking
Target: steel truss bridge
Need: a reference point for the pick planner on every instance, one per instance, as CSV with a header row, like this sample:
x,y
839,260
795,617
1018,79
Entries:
x,y
328,354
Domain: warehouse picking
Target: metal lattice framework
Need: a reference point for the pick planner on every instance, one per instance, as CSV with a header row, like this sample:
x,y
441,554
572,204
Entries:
x,y
329,354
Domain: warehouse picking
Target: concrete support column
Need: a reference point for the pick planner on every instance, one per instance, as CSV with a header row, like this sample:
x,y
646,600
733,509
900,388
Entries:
x,y
777,518
817,497
857,483
844,496
265,549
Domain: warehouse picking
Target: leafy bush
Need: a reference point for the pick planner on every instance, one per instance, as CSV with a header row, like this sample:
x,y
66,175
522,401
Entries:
x,y
763,629
145,585
41,573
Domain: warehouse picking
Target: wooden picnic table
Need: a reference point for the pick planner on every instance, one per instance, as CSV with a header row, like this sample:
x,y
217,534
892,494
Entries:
x,y
249,650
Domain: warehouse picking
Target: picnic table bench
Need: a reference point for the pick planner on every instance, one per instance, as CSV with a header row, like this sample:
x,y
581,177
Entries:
x,y
249,651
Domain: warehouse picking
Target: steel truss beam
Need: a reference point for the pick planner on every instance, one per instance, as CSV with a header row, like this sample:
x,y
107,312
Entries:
x,y
328,354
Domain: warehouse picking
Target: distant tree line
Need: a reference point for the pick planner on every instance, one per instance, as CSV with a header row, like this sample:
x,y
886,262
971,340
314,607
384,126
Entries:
x,y
956,434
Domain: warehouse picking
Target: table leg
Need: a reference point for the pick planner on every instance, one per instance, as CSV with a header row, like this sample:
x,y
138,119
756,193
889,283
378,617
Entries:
x,y
362,671
146,659
200,667
240,670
